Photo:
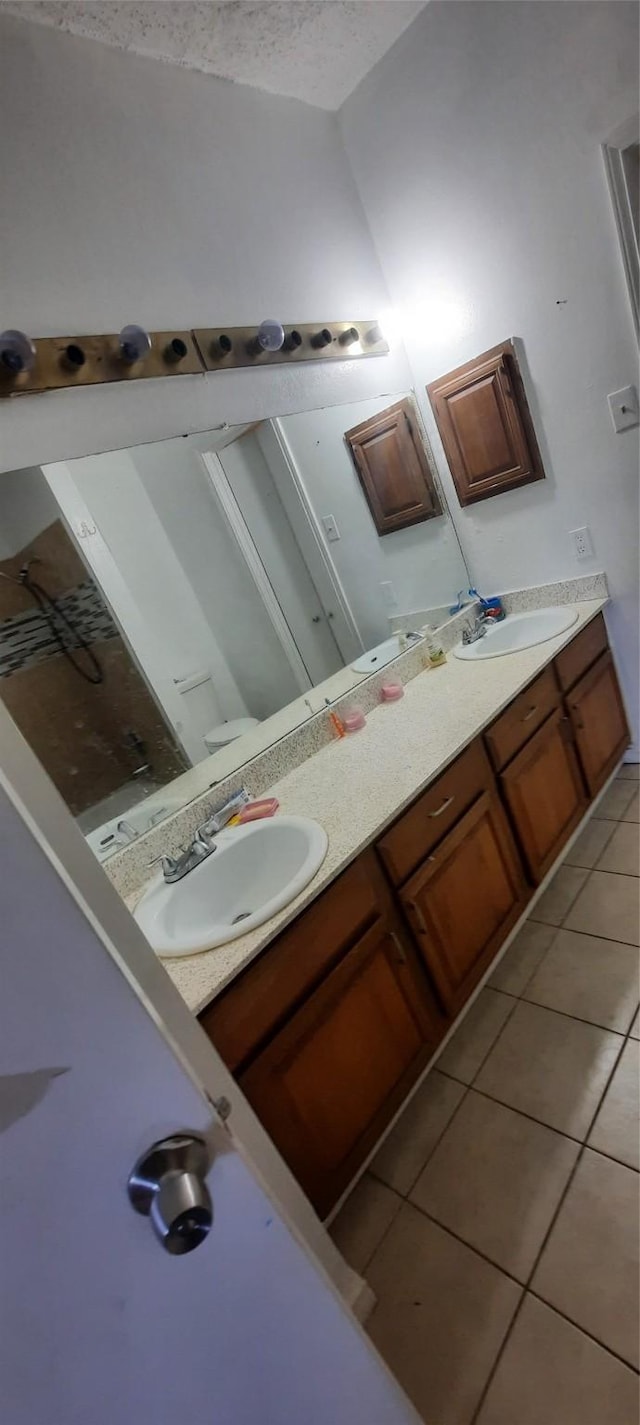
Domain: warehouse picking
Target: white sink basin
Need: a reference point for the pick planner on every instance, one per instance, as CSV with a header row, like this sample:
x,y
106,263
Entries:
x,y
518,631
254,871
377,657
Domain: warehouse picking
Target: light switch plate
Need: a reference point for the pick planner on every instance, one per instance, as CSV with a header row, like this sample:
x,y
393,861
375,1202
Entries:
x,y
330,528
623,406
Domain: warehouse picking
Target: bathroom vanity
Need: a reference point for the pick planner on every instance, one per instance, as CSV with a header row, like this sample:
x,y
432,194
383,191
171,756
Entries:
x,y
332,1023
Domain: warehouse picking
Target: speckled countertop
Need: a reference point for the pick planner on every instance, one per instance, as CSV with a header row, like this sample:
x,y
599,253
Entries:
x,y
357,786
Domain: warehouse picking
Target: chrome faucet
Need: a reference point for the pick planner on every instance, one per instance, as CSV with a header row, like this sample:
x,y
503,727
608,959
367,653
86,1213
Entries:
x,y
203,844
477,629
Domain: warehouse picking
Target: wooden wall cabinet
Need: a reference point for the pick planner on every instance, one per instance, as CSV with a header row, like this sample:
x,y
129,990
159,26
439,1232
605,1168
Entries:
x,y
393,469
485,426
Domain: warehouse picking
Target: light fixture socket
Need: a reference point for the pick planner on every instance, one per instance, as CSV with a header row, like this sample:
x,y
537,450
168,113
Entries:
x,y
347,338
221,347
73,357
175,351
322,338
293,340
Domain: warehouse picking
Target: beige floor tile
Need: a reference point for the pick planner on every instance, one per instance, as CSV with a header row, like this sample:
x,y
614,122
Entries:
x,y
558,898
551,1067
480,1028
590,844
591,978
609,905
615,802
622,854
404,1153
521,961
635,1027
552,1374
616,1129
633,810
362,1222
589,1269
496,1179
629,772
441,1317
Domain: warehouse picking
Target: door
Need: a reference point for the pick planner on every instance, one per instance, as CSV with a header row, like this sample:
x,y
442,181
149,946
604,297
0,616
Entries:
x,y
544,792
391,461
251,484
464,899
485,425
98,1324
599,722
328,1083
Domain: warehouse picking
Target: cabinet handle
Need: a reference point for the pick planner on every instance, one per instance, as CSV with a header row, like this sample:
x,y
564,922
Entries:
x,y
446,803
419,917
401,954
530,713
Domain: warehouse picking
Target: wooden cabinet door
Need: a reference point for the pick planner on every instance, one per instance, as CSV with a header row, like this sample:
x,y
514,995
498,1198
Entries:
x,y
544,792
485,425
599,722
327,1084
464,900
393,468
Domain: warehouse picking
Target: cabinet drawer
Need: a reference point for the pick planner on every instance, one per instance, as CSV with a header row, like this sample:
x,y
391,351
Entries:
x,y
521,719
246,1014
579,655
436,811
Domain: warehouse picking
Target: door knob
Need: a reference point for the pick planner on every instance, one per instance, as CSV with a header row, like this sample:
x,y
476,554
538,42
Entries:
x,y
168,1184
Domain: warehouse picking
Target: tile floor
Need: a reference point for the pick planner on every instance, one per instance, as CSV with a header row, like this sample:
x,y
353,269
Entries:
x,y
498,1223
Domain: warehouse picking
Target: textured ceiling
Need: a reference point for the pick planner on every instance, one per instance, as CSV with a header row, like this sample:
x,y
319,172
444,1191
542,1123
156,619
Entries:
x,y
316,50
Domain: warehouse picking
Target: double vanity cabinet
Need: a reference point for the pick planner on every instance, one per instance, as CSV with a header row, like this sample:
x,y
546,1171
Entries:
x,y
329,1028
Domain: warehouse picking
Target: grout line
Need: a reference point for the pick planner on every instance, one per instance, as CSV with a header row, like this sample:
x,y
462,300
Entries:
x,y
436,1144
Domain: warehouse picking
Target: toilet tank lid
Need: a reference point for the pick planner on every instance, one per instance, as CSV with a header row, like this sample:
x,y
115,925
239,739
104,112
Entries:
x,y
228,731
192,680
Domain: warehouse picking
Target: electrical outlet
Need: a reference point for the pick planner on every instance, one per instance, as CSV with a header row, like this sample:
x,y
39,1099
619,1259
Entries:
x,y
330,528
582,542
83,529
388,594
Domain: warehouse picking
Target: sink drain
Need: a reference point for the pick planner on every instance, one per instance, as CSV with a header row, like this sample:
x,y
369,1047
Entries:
x,y
243,915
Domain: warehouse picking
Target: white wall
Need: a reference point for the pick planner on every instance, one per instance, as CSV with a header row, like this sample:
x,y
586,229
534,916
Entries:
x,y
144,582
263,512
137,191
423,563
475,144
175,479
26,508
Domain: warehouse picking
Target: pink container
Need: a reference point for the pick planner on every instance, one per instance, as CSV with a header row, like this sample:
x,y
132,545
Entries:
x,y
354,720
390,692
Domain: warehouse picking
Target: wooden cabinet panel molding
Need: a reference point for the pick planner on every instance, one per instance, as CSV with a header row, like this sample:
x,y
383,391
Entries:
x,y
485,425
391,460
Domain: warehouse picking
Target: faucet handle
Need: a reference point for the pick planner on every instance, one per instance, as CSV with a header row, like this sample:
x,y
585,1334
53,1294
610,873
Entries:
x,y
168,864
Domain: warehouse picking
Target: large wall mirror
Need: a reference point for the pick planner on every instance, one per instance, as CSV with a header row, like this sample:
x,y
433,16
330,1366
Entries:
x,y
170,610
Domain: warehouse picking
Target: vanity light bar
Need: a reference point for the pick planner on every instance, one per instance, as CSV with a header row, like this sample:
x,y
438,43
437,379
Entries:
x,y
29,365
223,348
